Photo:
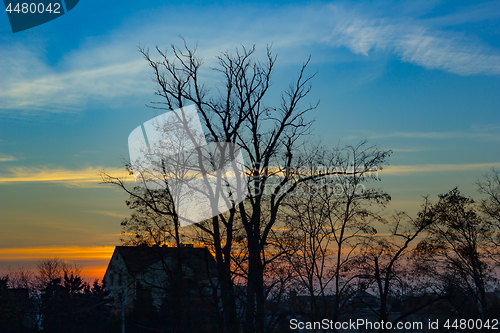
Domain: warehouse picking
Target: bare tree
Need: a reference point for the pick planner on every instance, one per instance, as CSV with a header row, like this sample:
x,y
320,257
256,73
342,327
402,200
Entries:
x,y
387,266
146,225
235,112
46,288
19,312
490,186
51,269
22,278
327,223
490,206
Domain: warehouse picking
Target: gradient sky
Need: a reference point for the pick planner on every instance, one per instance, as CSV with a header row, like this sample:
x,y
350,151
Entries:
x,y
419,77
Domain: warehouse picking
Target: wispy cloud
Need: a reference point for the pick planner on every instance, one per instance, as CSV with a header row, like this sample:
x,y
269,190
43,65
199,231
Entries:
x,y
405,169
88,177
109,67
30,86
106,213
440,135
366,28
423,42
5,158
407,150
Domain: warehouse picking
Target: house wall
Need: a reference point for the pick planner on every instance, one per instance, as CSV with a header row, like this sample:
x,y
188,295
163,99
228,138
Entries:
x,y
119,283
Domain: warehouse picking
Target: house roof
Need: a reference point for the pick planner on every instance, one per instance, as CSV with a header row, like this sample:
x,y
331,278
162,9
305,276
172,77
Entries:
x,y
137,259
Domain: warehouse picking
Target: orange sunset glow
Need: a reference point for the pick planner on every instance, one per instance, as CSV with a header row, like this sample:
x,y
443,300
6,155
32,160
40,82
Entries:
x,y
93,260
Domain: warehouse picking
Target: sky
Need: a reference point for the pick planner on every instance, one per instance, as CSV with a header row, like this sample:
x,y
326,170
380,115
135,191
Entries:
x,y
421,78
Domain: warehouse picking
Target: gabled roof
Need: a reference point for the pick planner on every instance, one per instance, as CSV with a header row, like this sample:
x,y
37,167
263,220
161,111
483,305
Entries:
x,y
138,259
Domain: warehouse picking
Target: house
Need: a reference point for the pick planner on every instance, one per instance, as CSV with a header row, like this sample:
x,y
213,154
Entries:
x,y
156,268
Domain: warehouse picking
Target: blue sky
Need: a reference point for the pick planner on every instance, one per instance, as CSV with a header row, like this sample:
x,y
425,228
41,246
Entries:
x,y
418,77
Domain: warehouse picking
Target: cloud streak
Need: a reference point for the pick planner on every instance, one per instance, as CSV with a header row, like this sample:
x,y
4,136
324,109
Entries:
x,y
4,158
69,253
88,177
93,260
423,42
440,135
30,86
109,68
106,213
405,169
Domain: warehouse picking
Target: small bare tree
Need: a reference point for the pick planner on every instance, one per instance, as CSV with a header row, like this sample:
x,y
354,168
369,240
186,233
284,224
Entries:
x,y
490,186
490,206
388,268
326,224
51,269
146,225
22,278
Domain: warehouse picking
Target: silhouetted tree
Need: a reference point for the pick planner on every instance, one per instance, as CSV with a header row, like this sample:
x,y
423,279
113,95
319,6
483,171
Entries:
x,y
235,113
490,186
455,251
54,297
387,265
72,305
148,225
490,206
95,308
326,225
17,310
270,137
11,315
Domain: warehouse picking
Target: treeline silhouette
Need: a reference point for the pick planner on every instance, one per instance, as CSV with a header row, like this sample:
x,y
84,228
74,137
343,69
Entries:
x,y
331,263
439,265
52,298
